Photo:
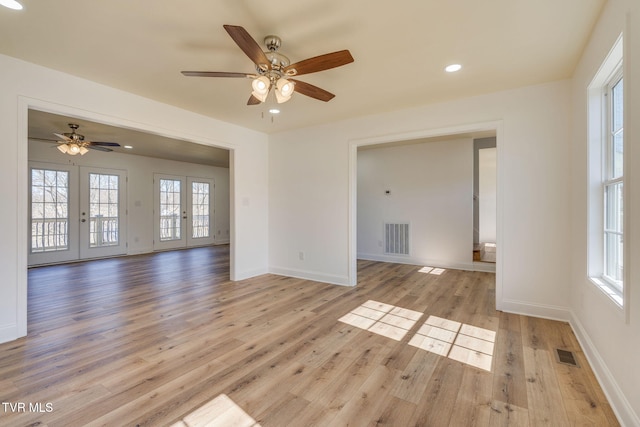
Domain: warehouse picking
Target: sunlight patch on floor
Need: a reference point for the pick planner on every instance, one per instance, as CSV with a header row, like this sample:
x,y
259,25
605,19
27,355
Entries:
x,y
383,319
220,412
458,341
432,270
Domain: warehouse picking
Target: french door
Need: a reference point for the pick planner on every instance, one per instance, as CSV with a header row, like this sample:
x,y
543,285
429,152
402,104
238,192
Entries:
x,y
183,212
103,198
75,213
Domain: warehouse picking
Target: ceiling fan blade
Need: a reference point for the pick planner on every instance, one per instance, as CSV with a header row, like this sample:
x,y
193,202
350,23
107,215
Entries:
x,y
215,74
43,139
312,91
98,148
253,100
63,137
319,63
104,144
249,46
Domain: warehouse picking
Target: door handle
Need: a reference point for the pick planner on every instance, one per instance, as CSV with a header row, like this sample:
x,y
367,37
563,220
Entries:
x,y
83,220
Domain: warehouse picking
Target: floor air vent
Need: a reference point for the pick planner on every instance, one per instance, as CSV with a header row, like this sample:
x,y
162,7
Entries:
x,y
566,357
396,238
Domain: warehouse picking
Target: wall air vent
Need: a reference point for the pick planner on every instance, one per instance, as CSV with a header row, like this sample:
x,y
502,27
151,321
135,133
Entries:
x,y
396,238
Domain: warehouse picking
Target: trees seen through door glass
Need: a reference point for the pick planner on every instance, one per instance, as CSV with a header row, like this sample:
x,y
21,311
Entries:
x,y
170,209
49,210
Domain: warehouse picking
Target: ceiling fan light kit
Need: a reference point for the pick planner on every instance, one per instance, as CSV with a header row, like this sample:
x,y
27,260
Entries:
x,y
274,69
72,149
284,90
261,86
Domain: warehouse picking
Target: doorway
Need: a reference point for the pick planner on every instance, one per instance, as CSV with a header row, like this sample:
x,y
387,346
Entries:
x,y
75,213
183,211
473,131
484,199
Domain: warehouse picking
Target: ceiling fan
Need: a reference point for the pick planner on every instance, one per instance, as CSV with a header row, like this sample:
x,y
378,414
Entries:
x,y
73,143
274,70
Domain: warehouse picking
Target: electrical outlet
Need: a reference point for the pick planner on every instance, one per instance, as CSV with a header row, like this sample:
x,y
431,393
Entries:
x,y
301,256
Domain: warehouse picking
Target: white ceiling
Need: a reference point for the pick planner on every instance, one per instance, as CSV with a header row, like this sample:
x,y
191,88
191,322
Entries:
x,y
400,49
42,125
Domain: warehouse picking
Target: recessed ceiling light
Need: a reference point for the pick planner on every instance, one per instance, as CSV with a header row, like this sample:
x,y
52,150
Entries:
x,y
274,111
11,4
453,68
128,147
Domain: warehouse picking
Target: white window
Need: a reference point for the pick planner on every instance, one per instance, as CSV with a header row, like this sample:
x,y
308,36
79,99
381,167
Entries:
x,y
613,185
104,213
49,210
606,236
170,209
200,203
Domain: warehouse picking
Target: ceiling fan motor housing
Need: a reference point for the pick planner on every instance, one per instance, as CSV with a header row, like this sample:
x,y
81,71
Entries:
x,y
272,42
73,135
277,60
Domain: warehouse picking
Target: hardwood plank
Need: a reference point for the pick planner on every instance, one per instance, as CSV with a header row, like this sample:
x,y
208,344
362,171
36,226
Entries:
x,y
544,399
439,398
396,412
509,384
150,408
473,403
285,412
366,403
506,414
410,384
579,399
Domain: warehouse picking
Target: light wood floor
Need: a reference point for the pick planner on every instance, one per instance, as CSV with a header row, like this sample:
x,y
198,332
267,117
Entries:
x,y
167,339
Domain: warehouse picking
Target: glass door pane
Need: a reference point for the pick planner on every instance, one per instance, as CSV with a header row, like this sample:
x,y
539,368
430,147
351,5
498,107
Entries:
x,y
104,217
52,214
170,212
200,214
49,210
170,209
200,210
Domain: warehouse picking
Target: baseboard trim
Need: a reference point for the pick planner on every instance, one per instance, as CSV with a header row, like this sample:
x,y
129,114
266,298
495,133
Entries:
x,y
468,266
535,310
618,401
311,275
248,274
9,333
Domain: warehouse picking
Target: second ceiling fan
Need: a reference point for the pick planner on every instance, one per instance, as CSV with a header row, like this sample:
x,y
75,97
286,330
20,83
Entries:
x,y
274,70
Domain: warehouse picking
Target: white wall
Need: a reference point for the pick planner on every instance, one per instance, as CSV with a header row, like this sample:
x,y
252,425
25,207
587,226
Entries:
x,y
24,85
610,335
431,187
140,190
312,190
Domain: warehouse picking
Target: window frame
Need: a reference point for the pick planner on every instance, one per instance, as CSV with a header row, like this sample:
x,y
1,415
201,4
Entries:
x,y
598,165
610,180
